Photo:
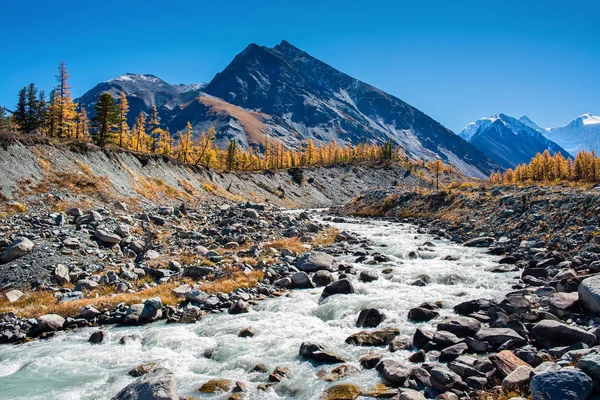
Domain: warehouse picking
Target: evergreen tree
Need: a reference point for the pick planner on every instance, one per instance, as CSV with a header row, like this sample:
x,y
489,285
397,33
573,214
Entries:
x,y
231,159
107,116
123,130
64,106
153,127
83,125
4,120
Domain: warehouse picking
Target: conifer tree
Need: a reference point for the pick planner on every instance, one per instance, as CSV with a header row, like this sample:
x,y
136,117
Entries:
x,y
64,106
123,130
232,155
30,108
185,144
204,147
4,120
107,116
153,126
83,125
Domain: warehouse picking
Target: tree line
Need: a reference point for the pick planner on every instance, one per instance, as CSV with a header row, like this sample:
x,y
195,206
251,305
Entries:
x,y
58,116
553,168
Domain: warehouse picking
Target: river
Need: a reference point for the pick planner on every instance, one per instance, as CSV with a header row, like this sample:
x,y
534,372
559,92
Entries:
x,y
70,368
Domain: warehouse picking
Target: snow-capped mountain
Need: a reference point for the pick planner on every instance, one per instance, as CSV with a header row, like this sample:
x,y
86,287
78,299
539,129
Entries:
x,y
583,133
143,91
288,96
508,141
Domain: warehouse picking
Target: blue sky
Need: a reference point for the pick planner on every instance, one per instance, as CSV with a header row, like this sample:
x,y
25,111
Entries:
x,y
455,60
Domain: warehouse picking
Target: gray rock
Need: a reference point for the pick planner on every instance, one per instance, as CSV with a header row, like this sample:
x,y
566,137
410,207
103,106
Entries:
x,y
13,295
460,326
567,384
196,296
518,379
50,322
369,318
498,336
563,304
158,384
107,237
590,364
151,255
239,307
450,353
392,371
250,213
301,280
368,276
316,352
98,337
85,284
315,261
442,379
484,241
553,333
343,286
322,278
16,249
420,314
61,274
589,294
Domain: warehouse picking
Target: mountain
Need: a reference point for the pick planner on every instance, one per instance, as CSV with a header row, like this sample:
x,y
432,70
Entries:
x,y
143,91
508,141
583,133
283,94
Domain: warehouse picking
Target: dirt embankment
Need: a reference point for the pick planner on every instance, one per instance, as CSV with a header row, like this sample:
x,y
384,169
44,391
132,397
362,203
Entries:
x,y
77,172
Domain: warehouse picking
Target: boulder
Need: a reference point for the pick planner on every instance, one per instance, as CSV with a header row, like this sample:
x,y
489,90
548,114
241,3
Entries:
x,y
316,352
392,371
563,304
450,353
322,278
107,237
142,370
98,337
484,241
50,322
216,386
566,384
340,372
16,249
369,318
61,274
421,338
498,336
589,294
342,286
420,314
301,280
368,276
518,379
250,213
239,307
460,326
506,362
442,379
158,384
315,261
373,338
13,295
343,391
553,333
590,364
85,284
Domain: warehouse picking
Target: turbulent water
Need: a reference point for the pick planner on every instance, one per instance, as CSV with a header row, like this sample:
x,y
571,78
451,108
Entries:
x,y
68,367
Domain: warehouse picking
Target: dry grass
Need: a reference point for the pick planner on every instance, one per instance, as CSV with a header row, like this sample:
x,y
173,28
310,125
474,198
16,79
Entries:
x,y
39,303
326,237
236,280
294,244
12,208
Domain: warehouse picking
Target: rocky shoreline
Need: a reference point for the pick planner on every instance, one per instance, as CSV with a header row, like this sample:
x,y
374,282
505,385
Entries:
x,y
541,340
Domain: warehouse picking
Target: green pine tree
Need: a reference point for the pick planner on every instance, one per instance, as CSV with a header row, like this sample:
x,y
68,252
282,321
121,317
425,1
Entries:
x,y
107,116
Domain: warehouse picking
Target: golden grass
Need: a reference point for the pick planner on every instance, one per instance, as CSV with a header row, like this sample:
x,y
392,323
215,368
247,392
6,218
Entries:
x,y
293,244
326,237
236,280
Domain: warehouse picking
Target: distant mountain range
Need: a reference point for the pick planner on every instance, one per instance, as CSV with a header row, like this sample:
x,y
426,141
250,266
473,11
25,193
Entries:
x,y
510,142
289,96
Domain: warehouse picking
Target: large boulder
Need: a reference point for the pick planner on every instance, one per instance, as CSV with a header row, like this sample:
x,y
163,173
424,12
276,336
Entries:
x,y
552,333
460,326
369,318
393,372
50,322
316,352
590,364
13,295
498,336
61,274
566,384
315,261
484,241
343,391
322,278
589,294
16,249
158,384
518,379
301,280
381,337
506,362
343,286
107,237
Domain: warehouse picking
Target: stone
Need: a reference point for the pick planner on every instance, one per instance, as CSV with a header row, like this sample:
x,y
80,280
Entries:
x,y
484,241
369,318
368,276
88,313
343,391
399,343
278,374
13,295
442,379
460,326
418,357
196,296
420,314
216,386
409,394
85,284
516,305
322,278
373,338
590,364
563,304
71,243
98,337
247,332
340,372
239,307
445,339
142,370
370,360
315,261
450,353
392,371
197,271
61,274
316,352
342,286
566,384
50,322
107,237
498,336
301,280
151,255
551,333
506,362
16,249
518,379
250,213
421,338
158,384
589,294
